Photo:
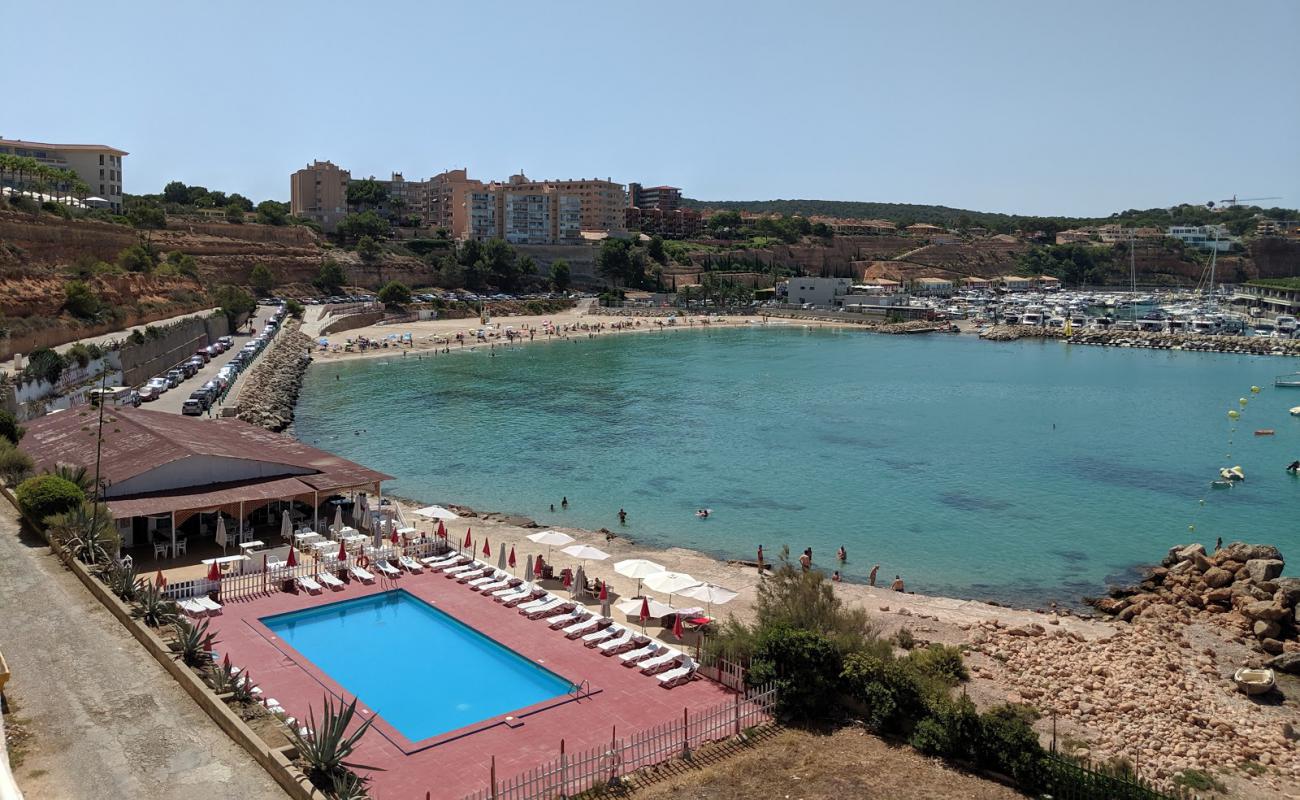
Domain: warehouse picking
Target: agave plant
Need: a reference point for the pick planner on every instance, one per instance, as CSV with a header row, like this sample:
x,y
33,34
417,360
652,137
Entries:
x,y
74,473
194,642
86,533
327,746
153,606
120,579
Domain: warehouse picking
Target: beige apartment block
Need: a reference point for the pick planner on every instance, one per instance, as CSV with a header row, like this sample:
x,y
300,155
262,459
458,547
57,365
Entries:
x,y
100,166
319,191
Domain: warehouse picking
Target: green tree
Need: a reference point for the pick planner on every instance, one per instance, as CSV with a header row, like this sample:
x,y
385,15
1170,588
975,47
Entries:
x,y
656,250
560,275
366,193
232,303
395,294
621,263
146,214
45,495
367,223
15,465
183,264
469,252
500,265
80,300
235,214
44,364
294,308
177,192
139,257
271,212
369,249
238,200
9,427
451,275
261,279
331,278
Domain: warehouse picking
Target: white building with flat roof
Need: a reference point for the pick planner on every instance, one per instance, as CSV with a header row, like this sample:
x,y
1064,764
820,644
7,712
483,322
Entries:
x,y
818,291
100,166
1203,237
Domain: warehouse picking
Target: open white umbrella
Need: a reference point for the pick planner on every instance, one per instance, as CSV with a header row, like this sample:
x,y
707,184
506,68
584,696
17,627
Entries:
x,y
222,539
585,553
638,568
669,582
286,527
550,539
634,606
436,512
710,593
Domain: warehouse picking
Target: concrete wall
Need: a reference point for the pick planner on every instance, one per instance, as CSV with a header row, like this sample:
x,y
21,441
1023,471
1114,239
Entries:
x,y
140,362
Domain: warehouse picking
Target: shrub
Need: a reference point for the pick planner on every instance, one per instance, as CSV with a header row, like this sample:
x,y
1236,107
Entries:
x,y
45,495
395,294
80,300
1007,743
806,667
940,662
904,639
886,689
327,751
261,279
15,465
153,607
193,642
121,581
952,729
139,257
9,427
44,364
86,532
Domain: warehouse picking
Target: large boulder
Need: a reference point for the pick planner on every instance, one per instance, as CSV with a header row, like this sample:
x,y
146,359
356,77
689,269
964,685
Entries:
x,y
1290,589
1182,552
1261,570
1287,662
1266,629
1241,551
1216,577
1263,610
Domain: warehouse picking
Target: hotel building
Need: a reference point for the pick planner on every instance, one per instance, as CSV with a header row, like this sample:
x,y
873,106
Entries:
x,y
100,166
319,192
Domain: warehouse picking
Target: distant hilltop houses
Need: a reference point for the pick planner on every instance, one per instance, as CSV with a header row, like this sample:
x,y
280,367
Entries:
x,y
520,210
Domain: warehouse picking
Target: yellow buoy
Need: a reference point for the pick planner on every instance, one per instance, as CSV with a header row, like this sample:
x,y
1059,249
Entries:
x,y
1191,527
1234,414
1242,400
1254,390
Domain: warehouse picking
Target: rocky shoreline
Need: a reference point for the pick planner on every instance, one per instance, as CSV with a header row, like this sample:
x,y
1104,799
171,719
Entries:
x,y
1239,587
271,391
1257,346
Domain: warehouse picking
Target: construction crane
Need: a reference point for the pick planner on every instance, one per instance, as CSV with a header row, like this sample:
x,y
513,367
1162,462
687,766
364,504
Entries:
x,y
1236,201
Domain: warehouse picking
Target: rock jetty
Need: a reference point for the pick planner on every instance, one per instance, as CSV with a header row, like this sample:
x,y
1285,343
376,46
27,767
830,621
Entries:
x,y
1240,587
271,391
1195,342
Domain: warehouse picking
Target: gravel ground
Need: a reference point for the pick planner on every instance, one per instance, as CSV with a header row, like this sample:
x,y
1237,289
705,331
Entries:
x,y
105,719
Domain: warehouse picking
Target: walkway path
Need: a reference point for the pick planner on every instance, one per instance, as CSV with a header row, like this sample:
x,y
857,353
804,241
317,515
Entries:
x,y
910,253
115,336
106,719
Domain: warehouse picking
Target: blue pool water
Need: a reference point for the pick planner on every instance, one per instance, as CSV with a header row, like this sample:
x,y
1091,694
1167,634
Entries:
x,y
385,648
1021,471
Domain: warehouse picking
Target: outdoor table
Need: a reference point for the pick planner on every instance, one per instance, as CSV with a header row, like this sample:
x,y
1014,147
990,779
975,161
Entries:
x,y
225,563
307,537
253,545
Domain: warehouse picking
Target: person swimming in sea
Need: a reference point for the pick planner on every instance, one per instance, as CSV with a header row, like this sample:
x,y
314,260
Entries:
x,y
842,554
1293,467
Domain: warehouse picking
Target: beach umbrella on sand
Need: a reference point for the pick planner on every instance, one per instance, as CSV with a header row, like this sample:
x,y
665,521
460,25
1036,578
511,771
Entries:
x,y
528,570
652,608
442,529
638,568
550,539
538,567
222,539
604,599
677,626
394,538
511,560
487,551
669,582
580,582
568,579
468,541
710,593
584,553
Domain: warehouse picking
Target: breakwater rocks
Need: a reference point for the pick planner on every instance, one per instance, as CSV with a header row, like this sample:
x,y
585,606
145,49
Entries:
x,y
1240,587
1246,345
271,391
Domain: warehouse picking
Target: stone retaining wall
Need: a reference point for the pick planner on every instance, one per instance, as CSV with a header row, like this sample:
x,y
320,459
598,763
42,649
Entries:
x,y
271,390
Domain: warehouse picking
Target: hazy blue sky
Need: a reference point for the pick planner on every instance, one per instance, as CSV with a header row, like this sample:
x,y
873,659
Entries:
x,y
1029,106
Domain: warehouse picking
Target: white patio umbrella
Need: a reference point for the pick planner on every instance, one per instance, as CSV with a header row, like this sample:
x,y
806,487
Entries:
x,y
550,539
436,512
632,607
585,553
222,539
637,568
286,527
669,582
710,593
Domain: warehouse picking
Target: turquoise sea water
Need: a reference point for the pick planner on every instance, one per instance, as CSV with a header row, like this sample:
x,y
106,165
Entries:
x,y
1022,471
363,643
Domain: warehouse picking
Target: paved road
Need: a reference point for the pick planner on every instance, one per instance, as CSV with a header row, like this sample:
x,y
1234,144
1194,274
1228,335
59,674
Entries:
x,y
106,719
174,398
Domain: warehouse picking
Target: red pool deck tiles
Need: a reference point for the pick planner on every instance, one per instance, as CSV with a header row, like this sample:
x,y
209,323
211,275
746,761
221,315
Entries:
x,y
452,766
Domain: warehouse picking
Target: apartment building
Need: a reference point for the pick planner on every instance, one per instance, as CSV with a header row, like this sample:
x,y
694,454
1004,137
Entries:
x,y
662,198
319,192
1203,237
100,166
502,211
679,223
603,202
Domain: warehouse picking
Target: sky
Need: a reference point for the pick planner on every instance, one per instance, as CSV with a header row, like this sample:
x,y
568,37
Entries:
x,y
1017,106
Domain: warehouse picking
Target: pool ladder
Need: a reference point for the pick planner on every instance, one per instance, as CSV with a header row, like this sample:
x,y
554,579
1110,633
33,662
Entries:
x,y
581,689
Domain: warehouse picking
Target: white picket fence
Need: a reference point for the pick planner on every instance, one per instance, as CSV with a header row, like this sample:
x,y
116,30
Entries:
x,y
259,582
573,773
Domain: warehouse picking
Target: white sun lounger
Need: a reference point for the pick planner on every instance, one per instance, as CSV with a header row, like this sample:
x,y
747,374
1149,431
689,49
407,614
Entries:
x,y
630,658
506,595
531,604
593,639
466,577
498,585
444,560
680,675
452,572
659,663
309,585
192,607
329,580
362,574
620,644
565,620
406,562
212,606
477,584
557,606
586,626
388,569
525,597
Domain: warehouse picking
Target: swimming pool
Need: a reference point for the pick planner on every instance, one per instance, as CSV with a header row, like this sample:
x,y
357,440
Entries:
x,y
423,671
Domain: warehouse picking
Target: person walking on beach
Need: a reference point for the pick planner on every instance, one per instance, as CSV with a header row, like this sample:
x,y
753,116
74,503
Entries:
x,y
842,555
871,579
760,558
897,585
622,517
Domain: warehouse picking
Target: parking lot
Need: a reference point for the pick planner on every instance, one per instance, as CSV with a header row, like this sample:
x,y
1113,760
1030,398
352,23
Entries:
x,y
172,400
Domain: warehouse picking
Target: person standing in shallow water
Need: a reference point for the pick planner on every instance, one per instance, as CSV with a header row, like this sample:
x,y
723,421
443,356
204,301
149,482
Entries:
x,y
872,577
622,517
897,585
564,501
842,554
805,561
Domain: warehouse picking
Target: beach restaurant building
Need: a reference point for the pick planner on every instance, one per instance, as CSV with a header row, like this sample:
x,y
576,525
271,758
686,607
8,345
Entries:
x,y
168,477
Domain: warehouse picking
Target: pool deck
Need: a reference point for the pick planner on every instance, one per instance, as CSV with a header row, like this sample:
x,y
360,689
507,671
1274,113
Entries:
x,y
455,767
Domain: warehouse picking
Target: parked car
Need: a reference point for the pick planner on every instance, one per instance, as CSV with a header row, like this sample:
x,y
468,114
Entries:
x,y
202,353
192,408
226,340
147,394
159,385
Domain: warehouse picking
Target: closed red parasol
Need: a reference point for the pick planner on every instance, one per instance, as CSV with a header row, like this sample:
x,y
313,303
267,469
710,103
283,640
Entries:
x,y
645,610
604,591
293,558
343,552
468,541
394,537
677,626
568,578
214,571
487,551
537,567
511,560
161,581
442,529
